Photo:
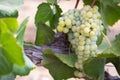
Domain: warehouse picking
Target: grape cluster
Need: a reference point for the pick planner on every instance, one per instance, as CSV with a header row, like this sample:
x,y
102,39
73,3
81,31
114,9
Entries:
x,y
83,27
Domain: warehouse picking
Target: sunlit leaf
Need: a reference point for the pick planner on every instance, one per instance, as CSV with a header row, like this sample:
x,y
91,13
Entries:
x,y
8,43
10,23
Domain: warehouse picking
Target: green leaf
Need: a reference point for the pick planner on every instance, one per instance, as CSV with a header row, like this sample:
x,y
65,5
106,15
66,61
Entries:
x,y
67,59
24,70
7,77
10,23
52,1
5,64
115,48
94,68
57,69
44,34
8,43
44,13
5,14
8,7
54,20
20,32
109,8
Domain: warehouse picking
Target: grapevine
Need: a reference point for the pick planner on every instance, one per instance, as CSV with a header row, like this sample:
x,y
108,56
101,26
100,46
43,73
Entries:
x,y
83,27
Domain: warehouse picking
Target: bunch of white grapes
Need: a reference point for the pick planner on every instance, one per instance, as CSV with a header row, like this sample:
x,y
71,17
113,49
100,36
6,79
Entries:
x,y
83,28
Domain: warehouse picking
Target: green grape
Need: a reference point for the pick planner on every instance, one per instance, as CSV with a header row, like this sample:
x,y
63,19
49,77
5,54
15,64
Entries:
x,y
61,23
80,48
83,27
60,29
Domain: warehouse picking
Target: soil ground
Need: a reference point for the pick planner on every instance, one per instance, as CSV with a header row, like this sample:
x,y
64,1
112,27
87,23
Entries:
x,y
29,10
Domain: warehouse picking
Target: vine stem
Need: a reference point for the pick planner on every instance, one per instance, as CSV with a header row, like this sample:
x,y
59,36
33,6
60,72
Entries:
x,y
92,3
107,40
77,2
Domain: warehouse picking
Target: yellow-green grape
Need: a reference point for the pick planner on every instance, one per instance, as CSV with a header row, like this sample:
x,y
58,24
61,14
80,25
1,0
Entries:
x,y
80,48
65,30
68,22
78,74
83,27
60,29
86,30
61,23
92,33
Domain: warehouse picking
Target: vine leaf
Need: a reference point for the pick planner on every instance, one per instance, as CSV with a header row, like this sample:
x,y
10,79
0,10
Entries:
x,y
5,64
8,8
109,8
10,23
8,43
55,18
114,50
57,68
94,68
44,34
67,59
9,76
22,70
44,13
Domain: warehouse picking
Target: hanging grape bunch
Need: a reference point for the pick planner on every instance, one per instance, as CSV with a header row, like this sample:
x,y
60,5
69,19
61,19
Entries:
x,y
83,28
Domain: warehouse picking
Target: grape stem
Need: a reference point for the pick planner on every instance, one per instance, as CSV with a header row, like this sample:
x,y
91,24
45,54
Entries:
x,y
107,40
92,3
77,2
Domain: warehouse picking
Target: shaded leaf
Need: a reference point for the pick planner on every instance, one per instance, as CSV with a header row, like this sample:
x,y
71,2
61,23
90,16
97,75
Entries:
x,y
109,8
57,69
44,13
7,77
5,14
115,48
44,34
67,59
94,68
5,64
55,18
